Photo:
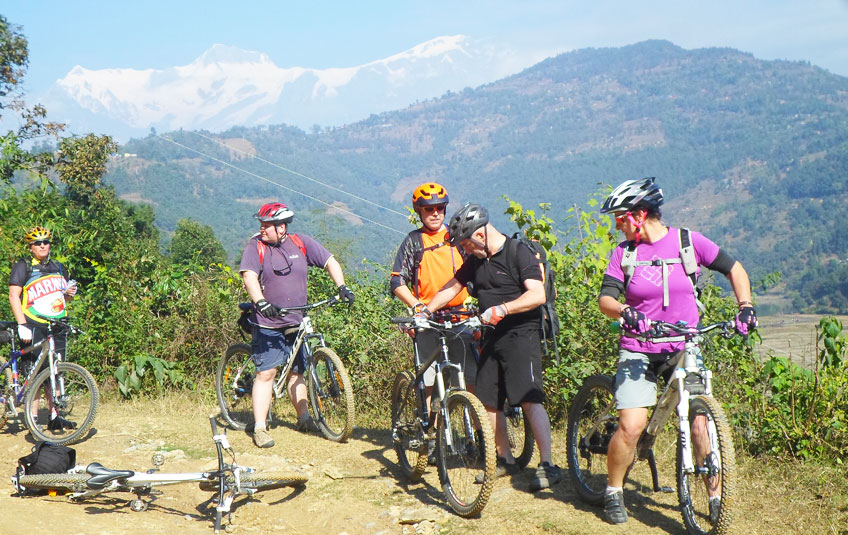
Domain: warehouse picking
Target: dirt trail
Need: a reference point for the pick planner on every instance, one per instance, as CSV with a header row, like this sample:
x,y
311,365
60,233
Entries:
x,y
354,488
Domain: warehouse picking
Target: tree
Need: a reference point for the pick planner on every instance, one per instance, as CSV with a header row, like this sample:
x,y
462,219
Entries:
x,y
194,242
14,59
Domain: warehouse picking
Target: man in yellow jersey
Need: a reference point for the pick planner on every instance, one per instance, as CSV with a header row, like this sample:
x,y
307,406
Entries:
x,y
424,263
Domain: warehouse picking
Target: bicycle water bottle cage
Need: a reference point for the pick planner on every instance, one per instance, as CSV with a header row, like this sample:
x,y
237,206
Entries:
x,y
102,476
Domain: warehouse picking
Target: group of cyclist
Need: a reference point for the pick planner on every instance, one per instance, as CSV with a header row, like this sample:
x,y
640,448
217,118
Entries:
x,y
437,267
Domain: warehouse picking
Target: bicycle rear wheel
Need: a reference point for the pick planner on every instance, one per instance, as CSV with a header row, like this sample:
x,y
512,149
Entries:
x,y
68,482
260,481
331,395
717,470
520,435
466,450
75,402
234,386
591,423
407,437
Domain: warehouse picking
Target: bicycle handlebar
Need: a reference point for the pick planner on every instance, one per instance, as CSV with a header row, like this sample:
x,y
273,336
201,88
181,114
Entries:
x,y
425,323
334,300
660,329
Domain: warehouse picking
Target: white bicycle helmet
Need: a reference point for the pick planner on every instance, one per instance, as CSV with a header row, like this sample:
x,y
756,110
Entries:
x,y
632,193
276,212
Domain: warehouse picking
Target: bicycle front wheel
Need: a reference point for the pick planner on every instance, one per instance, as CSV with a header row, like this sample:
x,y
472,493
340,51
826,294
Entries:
x,y
6,393
331,395
407,437
260,481
74,403
707,496
66,482
592,421
520,435
466,454
234,386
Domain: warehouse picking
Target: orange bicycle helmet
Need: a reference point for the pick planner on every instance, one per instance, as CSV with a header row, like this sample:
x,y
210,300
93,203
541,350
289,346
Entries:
x,y
428,194
37,234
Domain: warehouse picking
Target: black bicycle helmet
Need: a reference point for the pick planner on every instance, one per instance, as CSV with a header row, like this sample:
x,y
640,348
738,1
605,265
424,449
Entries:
x,y
465,221
632,193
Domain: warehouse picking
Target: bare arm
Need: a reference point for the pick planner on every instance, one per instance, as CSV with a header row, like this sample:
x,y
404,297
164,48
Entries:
x,y
741,284
251,284
406,296
443,296
533,296
610,306
15,303
335,270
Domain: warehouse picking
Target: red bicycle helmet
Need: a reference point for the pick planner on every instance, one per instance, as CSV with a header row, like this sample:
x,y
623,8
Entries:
x,y
276,212
428,194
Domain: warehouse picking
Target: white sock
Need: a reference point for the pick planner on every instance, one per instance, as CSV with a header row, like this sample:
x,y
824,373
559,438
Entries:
x,y
613,490
259,427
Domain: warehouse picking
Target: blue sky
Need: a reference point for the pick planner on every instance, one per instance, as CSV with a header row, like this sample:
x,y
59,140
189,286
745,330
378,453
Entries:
x,y
158,34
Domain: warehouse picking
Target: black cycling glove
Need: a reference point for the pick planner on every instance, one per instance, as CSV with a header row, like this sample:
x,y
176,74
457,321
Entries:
x,y
267,309
345,295
635,321
746,320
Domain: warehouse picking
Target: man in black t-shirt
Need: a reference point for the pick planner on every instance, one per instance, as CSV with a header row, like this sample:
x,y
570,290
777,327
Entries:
x,y
511,356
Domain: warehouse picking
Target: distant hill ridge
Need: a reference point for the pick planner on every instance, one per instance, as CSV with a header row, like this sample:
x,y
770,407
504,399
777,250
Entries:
x,y
751,152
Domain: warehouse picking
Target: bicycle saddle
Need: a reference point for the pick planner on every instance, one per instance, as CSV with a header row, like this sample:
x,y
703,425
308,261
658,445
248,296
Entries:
x,y
102,476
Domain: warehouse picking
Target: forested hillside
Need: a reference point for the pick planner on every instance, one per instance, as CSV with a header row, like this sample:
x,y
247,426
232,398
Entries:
x,y
752,152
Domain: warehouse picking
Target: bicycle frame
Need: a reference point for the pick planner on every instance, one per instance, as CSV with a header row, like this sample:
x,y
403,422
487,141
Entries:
x,y
48,351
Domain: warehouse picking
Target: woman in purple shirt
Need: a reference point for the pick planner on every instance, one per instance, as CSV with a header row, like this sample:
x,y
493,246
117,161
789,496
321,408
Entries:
x,y
660,291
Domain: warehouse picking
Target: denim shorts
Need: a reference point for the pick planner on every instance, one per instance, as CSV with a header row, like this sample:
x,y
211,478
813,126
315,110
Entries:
x,y
636,377
271,348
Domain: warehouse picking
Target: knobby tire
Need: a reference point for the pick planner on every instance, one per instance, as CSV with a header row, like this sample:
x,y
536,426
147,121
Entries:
x,y
79,404
405,428
472,453
692,488
331,395
69,482
520,435
593,408
234,386
260,480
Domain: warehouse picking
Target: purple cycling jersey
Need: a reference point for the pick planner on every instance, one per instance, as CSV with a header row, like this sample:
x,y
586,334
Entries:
x,y
645,292
283,274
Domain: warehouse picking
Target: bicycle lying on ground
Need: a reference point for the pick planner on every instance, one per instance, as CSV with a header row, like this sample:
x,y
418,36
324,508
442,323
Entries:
x,y
465,446
59,402
704,459
328,384
229,480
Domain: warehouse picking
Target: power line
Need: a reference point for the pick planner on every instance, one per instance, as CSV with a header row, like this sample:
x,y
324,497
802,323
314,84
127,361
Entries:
x,y
296,173
260,177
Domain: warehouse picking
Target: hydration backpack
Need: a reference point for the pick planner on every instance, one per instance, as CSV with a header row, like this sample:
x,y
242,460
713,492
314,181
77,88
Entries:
x,y
686,258
261,247
547,311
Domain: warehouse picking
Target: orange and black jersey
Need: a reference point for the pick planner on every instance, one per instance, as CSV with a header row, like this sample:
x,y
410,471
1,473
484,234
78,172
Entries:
x,y
424,262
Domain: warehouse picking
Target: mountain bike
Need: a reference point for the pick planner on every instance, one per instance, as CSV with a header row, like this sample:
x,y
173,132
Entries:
x,y
709,461
328,384
465,445
59,402
229,480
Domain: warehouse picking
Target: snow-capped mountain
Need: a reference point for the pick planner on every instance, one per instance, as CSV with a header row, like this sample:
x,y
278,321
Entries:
x,y
227,86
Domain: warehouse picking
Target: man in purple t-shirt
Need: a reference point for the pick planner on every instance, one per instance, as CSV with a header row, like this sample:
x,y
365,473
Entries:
x,y
659,291
274,268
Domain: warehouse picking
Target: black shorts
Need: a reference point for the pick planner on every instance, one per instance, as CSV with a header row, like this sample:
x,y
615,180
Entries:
x,y
511,367
460,351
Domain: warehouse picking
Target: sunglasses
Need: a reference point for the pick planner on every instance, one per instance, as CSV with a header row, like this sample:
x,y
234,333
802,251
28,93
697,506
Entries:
x,y
432,208
622,218
41,242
